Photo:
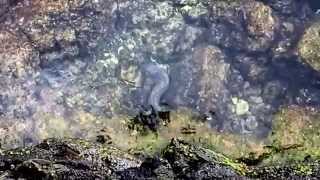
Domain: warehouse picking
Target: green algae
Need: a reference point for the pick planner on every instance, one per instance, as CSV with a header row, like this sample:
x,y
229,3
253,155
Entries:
x,y
233,146
293,139
150,144
296,126
303,169
181,149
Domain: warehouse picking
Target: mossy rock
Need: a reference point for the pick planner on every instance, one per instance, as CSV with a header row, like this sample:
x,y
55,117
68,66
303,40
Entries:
x,y
179,153
309,46
296,129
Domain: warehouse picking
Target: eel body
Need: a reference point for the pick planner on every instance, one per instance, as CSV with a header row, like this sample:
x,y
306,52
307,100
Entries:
x,y
160,83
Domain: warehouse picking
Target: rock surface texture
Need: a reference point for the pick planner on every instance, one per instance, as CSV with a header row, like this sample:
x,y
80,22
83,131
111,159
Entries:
x,y
78,159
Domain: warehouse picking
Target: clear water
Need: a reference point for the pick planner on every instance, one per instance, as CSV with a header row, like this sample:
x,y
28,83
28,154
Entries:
x,y
213,64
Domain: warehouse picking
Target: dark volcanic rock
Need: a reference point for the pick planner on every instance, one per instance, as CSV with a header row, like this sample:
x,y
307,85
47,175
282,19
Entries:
x,y
79,159
65,159
190,162
151,168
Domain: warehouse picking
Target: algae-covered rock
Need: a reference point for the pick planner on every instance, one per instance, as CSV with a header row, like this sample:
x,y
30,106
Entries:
x,y
251,25
309,46
213,73
296,126
262,24
190,162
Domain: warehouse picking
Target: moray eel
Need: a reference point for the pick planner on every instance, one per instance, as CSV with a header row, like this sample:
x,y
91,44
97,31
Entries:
x,y
160,83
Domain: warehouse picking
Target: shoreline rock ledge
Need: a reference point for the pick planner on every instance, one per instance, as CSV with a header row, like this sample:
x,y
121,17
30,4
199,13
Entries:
x,y
80,159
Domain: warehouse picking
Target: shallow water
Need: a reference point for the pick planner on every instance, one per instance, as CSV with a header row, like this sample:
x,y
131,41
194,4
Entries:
x,y
84,66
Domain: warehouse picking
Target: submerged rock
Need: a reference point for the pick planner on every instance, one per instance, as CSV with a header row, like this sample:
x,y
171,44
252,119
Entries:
x,y
309,46
297,126
17,55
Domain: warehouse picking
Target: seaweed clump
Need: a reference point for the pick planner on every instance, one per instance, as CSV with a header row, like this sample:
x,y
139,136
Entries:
x,y
149,120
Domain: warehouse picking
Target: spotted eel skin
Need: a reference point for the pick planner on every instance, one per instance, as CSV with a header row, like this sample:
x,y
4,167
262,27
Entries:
x,y
160,80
